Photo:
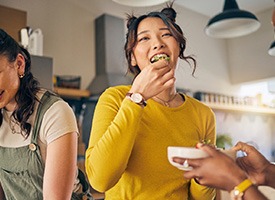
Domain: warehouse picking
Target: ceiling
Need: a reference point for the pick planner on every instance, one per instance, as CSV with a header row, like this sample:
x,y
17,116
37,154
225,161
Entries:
x,y
213,7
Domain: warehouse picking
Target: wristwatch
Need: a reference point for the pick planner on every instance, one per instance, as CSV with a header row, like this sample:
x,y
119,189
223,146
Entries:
x,y
237,192
137,98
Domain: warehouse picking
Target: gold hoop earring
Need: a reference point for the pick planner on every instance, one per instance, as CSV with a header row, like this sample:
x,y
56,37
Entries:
x,y
21,76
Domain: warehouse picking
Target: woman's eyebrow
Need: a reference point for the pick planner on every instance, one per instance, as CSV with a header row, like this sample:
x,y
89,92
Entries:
x,y
145,31
142,32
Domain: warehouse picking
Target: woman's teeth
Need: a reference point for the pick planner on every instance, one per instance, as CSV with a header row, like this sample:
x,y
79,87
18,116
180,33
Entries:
x,y
160,57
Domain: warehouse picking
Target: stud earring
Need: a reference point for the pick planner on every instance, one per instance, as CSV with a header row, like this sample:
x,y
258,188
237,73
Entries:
x,y
21,76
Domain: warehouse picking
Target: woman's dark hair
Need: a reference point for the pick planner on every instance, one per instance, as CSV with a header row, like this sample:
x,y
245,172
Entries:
x,y
29,86
168,16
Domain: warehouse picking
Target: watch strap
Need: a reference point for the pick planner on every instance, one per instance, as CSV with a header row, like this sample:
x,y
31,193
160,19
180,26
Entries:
x,y
142,102
237,192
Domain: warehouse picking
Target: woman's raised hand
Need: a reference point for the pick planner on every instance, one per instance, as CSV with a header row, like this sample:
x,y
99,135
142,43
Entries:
x,y
154,79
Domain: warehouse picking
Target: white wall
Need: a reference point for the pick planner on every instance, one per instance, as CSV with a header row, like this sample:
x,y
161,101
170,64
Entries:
x,y
248,57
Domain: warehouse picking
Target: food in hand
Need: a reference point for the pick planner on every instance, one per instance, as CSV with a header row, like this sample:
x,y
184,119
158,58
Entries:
x,y
160,57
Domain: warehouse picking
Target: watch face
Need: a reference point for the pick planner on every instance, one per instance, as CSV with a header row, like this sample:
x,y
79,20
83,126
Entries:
x,y
136,97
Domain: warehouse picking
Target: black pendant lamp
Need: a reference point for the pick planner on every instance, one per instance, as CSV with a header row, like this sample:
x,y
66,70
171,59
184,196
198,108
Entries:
x,y
232,22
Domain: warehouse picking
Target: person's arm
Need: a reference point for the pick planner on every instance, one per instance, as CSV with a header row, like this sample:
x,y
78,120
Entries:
x,y
258,168
219,171
60,133
60,168
114,129
2,194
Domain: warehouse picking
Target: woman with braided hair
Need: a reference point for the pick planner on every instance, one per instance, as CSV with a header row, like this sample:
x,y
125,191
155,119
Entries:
x,y
134,124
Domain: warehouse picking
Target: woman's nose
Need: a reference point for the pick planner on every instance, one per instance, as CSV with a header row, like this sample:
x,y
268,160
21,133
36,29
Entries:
x,y
158,44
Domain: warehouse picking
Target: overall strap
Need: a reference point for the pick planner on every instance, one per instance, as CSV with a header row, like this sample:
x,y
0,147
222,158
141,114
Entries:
x,y
46,101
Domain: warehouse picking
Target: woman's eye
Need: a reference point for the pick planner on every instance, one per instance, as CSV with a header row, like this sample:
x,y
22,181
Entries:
x,y
143,39
166,34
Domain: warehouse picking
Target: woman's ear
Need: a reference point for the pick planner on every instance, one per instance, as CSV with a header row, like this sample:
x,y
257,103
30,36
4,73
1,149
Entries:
x,y
20,65
133,61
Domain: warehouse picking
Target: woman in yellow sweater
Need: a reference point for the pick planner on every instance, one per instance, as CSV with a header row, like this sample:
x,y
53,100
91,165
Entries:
x,y
133,125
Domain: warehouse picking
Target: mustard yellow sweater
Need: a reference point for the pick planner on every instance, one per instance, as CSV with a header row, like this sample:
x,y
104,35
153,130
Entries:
x,y
127,153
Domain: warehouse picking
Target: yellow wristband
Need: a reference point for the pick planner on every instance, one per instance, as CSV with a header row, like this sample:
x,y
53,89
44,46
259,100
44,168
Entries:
x,y
237,192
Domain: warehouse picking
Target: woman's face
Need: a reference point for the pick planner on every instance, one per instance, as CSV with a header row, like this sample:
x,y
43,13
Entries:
x,y
154,38
9,82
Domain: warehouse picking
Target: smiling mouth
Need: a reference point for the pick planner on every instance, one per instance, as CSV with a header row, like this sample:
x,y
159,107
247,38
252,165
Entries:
x,y
159,57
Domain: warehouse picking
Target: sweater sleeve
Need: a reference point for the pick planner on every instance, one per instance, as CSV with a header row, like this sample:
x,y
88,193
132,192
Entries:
x,y
113,134
199,192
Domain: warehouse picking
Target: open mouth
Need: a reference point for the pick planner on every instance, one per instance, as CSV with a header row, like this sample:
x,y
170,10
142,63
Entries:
x,y
159,57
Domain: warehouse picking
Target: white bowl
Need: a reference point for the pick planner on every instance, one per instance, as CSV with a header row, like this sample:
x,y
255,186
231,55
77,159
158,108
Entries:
x,y
184,152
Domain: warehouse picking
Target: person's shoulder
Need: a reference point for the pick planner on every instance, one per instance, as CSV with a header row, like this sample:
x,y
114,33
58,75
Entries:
x,y
114,94
41,92
197,103
60,108
119,90
58,102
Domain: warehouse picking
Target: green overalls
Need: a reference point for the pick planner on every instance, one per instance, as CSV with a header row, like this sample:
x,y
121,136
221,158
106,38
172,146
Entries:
x,y
22,168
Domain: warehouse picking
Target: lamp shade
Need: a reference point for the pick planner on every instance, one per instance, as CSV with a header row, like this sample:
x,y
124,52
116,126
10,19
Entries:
x,y
140,3
271,50
232,22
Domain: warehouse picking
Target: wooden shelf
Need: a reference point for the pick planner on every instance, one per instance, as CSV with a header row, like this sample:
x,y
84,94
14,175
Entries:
x,y
244,109
72,93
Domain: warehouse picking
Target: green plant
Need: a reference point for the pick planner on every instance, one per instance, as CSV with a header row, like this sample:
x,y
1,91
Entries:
x,y
223,140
